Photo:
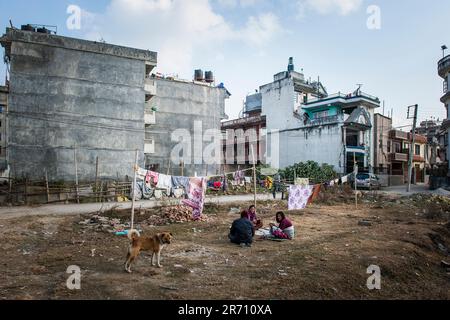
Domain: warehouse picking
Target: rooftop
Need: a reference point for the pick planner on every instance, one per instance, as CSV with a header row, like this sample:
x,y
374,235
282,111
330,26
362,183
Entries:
x,y
16,35
349,100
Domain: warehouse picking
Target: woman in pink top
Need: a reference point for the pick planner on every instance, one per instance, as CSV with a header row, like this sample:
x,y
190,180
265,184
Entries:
x,y
285,229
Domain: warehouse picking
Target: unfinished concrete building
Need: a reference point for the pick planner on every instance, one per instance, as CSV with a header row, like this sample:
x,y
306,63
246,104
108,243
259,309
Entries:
x,y
3,111
193,107
69,94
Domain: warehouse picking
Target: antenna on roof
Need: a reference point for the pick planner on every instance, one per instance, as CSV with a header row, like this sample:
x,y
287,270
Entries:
x,y
11,24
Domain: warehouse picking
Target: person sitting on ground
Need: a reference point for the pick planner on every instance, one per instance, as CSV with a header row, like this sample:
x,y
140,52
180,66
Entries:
x,y
285,229
242,231
251,215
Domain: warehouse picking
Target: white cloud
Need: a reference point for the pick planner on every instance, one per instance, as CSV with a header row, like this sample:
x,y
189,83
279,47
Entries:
x,y
261,29
342,7
231,4
176,29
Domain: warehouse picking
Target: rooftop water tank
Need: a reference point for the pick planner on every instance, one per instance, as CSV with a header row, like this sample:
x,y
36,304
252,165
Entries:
x,y
198,76
28,27
43,30
209,76
291,64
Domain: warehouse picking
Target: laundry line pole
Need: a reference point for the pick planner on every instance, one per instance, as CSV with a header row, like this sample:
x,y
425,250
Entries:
x,y
135,168
254,175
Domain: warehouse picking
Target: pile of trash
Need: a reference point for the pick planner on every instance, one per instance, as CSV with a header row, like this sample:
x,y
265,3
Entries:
x,y
434,206
102,223
173,214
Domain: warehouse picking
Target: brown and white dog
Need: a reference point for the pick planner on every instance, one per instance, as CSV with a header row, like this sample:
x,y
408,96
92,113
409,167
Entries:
x,y
153,244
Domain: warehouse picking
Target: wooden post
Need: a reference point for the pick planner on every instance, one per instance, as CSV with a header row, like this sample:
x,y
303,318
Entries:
x,y
96,179
168,168
10,187
134,186
46,186
76,173
254,174
182,168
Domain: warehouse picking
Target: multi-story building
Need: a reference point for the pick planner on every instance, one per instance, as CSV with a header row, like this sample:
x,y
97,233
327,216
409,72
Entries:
x,y
444,73
337,130
400,142
304,123
3,111
72,97
382,127
238,134
186,110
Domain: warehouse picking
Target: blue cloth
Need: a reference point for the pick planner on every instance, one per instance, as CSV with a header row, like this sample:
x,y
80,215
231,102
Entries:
x,y
181,182
241,231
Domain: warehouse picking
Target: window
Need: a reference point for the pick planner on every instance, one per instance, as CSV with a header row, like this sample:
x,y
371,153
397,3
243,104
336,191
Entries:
x,y
389,147
397,147
417,150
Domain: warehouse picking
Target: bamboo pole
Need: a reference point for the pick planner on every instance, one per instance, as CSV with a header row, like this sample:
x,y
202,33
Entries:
x,y
76,173
254,175
46,186
96,177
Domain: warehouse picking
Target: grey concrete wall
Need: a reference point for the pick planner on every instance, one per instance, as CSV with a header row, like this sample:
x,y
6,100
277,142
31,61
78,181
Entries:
x,y
62,95
179,105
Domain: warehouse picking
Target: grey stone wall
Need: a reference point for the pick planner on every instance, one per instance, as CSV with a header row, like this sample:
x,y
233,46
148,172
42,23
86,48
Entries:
x,y
179,105
67,92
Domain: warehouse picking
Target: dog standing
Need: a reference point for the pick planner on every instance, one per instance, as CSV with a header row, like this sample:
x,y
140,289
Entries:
x,y
154,244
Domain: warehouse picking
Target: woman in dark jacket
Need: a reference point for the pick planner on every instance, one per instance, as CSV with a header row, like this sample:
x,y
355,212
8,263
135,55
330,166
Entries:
x,y
242,231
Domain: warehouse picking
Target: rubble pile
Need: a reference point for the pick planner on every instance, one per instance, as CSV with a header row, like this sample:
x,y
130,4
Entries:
x,y
174,214
102,223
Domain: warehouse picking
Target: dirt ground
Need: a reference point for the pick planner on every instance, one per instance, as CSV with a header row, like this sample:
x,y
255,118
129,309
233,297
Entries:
x,y
328,259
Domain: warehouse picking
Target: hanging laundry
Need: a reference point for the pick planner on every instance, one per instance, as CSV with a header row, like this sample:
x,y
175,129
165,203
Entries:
x,y
299,196
141,191
165,182
181,182
315,193
141,173
196,196
239,176
151,175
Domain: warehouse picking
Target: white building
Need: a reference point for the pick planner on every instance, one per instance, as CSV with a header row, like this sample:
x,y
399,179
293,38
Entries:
x,y
444,72
305,123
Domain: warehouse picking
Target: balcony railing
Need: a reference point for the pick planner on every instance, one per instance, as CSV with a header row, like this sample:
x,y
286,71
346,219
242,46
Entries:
x,y
400,135
345,96
324,120
399,157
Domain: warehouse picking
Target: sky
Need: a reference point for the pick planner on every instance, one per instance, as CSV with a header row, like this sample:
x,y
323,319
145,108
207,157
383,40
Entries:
x,y
245,42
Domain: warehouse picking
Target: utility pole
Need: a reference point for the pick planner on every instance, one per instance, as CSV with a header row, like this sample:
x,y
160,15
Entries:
x,y
412,144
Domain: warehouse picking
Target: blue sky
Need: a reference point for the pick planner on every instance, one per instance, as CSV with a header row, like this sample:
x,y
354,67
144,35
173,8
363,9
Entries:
x,y
245,42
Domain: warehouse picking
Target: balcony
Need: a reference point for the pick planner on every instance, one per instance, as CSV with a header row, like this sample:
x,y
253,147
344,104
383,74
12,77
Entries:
x,y
150,117
444,66
399,135
149,146
403,157
150,87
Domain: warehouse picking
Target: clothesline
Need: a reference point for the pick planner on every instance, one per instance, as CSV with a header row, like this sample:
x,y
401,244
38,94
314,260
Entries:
x,y
207,177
